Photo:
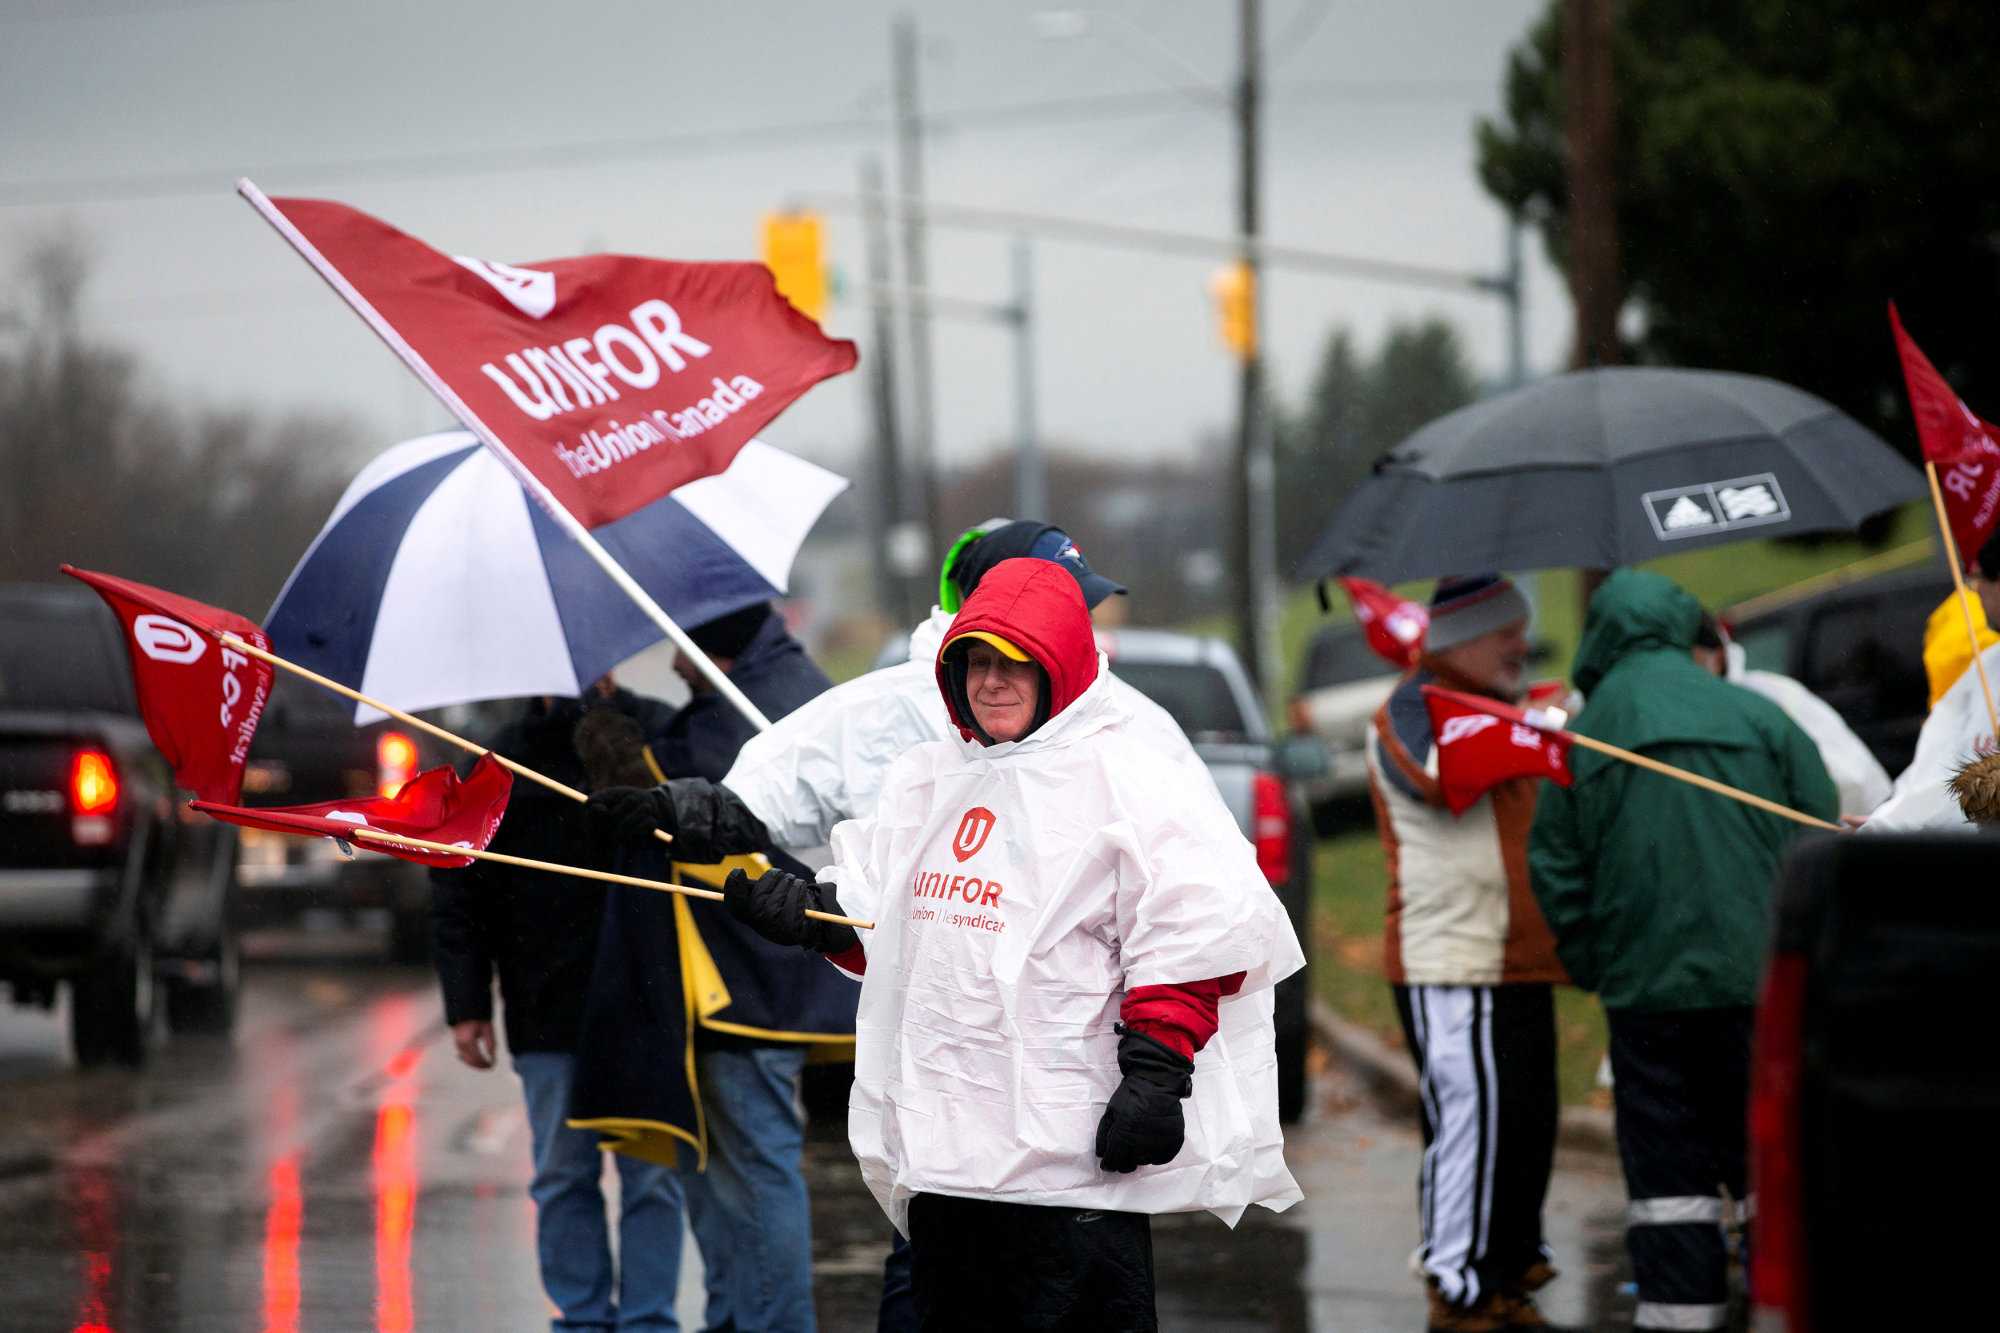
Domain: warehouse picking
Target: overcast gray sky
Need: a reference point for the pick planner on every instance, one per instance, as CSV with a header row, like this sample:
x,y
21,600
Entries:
x,y
126,121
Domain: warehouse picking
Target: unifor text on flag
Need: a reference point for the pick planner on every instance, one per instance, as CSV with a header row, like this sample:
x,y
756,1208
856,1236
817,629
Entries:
x,y
1965,449
201,698
1482,742
612,379
434,806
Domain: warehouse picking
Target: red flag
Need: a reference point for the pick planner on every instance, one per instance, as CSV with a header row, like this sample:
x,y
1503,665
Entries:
x,y
200,697
435,806
1965,449
1483,742
1395,625
612,379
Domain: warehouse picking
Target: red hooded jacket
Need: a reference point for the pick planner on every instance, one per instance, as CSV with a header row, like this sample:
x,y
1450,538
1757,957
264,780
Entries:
x,y
1036,606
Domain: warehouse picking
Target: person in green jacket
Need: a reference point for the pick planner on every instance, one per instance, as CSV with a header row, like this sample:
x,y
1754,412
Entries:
x,y
1659,896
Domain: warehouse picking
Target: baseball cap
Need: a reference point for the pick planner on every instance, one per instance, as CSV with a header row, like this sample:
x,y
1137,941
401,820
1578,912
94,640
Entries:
x,y
1028,539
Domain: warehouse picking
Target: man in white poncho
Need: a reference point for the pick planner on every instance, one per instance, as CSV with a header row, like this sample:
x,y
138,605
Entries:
x,y
1054,908
1958,731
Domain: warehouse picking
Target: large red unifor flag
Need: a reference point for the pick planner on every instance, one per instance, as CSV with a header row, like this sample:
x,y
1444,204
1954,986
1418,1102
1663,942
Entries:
x,y
1483,742
1395,625
435,806
1965,449
611,379
201,698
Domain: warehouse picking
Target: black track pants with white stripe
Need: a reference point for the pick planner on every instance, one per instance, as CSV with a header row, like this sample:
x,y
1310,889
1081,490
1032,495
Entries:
x,y
1682,1086
1487,1060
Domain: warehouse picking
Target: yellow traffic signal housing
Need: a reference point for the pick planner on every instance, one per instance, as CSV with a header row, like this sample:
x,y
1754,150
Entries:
x,y
795,252
1235,290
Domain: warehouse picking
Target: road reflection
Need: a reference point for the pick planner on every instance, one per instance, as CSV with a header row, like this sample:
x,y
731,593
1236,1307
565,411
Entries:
x,y
284,1219
395,1163
93,1205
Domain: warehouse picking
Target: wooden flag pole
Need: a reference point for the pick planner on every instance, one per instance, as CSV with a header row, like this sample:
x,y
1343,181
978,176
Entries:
x,y
363,834
410,720
1709,784
1952,557
1505,714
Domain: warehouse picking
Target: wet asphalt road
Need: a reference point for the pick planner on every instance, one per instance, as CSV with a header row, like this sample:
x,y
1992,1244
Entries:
x,y
332,1167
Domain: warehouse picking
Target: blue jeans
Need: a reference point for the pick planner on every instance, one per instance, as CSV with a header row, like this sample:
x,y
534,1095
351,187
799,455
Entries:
x,y
749,1209
572,1238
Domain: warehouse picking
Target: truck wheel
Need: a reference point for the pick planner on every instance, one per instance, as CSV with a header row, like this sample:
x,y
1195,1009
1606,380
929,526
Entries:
x,y
209,1005
111,1008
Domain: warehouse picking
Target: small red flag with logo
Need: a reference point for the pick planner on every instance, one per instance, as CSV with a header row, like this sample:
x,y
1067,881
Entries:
x,y
1395,625
1965,449
201,698
1483,742
436,806
611,379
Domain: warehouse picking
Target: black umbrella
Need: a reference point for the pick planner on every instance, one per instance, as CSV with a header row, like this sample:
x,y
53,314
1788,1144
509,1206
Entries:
x,y
1608,467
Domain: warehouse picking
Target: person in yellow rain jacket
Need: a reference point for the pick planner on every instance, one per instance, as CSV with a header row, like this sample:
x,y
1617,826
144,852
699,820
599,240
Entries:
x,y
1947,652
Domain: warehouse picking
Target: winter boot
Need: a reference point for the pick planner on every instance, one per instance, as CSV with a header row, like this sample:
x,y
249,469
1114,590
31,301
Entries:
x,y
1489,1316
1516,1301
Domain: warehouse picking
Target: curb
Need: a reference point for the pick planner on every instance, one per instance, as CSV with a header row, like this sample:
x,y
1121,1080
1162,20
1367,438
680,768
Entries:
x,y
1391,1077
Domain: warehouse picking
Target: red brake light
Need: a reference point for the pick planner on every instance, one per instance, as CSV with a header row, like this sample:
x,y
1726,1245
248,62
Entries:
x,y
395,762
1778,1276
1271,826
93,784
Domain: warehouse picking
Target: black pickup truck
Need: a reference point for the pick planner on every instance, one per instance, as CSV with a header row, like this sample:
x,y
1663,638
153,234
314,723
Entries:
x,y
1875,1101
107,880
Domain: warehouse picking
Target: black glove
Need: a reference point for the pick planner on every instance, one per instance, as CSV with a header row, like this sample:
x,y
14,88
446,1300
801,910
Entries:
x,y
775,905
628,815
711,822
1142,1126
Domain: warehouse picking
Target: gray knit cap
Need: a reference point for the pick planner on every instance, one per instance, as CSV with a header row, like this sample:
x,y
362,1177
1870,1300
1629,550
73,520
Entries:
x,y
1467,606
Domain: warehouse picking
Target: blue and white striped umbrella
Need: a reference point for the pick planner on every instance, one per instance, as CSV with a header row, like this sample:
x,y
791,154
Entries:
x,y
438,581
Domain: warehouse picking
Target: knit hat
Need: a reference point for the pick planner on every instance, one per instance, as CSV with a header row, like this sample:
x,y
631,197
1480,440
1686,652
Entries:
x,y
729,635
1466,606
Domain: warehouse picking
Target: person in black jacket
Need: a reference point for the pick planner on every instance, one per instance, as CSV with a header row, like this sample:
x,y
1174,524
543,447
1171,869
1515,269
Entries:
x,y
716,1086
538,932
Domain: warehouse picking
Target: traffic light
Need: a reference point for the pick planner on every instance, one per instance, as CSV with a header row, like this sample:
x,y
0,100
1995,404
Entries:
x,y
795,252
1235,290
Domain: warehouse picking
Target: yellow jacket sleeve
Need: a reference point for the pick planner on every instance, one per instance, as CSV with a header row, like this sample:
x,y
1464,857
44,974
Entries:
x,y
1946,653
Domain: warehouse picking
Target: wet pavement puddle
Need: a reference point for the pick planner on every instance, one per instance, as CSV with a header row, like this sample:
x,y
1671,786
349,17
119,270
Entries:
x,y
334,1168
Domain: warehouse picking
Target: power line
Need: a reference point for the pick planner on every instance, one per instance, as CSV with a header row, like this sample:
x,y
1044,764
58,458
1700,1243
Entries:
x,y
1179,242
538,157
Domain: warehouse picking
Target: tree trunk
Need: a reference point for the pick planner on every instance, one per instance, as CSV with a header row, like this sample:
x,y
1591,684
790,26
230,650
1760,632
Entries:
x,y
1593,192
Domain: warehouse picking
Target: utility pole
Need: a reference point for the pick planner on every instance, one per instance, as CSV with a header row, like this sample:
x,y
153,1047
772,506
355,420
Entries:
x,y
1592,128
1031,479
1256,512
892,581
916,278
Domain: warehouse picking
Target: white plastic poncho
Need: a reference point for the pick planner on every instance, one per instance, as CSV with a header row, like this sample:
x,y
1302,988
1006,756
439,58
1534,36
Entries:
x,y
1958,731
1859,776
825,761
985,1050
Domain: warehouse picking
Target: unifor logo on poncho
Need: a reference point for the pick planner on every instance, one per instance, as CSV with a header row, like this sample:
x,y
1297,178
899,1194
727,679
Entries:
x,y
972,831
